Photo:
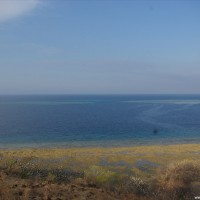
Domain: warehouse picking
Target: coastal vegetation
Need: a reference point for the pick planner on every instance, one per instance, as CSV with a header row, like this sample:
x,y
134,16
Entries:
x,y
139,172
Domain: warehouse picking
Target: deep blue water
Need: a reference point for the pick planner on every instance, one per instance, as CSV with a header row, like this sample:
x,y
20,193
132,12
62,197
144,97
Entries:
x,y
98,120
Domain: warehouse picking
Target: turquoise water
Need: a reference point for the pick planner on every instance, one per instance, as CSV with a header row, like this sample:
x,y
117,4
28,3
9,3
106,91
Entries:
x,y
98,120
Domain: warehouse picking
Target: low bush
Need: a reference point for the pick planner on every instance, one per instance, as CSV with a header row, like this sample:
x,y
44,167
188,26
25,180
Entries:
x,y
101,176
137,186
176,179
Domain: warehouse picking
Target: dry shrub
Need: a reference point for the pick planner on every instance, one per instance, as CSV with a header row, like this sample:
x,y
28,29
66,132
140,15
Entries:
x,y
101,177
176,179
137,186
51,178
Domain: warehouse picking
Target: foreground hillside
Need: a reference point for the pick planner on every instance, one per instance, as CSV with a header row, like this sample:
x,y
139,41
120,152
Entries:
x,y
137,173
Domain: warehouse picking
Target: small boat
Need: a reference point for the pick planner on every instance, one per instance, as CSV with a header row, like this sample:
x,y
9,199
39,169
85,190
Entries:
x,y
155,131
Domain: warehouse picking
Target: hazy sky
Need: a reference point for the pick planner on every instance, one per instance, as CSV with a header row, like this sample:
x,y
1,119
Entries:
x,y
99,46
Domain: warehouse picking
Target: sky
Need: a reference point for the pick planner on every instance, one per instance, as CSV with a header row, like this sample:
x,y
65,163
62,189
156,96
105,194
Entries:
x,y
99,47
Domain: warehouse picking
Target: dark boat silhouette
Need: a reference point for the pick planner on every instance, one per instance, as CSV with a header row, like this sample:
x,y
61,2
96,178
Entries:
x,y
155,131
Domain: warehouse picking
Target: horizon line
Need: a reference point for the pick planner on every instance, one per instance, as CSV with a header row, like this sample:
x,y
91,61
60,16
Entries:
x,y
97,94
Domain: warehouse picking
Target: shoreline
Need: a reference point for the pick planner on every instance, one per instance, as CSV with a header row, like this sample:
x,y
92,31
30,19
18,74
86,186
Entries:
x,y
104,148
100,144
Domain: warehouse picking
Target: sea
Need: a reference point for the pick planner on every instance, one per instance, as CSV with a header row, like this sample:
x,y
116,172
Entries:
x,y
66,121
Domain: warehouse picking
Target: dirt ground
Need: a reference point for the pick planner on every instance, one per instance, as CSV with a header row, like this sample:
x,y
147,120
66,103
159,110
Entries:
x,y
13,188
